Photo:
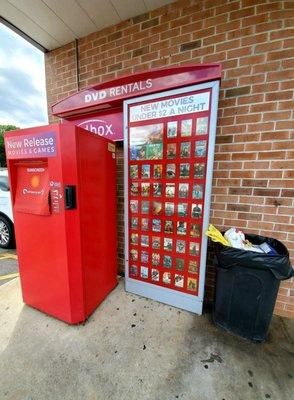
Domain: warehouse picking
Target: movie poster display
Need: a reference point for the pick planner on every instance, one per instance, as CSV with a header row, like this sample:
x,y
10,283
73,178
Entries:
x,y
170,145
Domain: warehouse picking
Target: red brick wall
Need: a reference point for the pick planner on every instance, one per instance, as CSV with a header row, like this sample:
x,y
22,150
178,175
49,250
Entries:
x,y
253,39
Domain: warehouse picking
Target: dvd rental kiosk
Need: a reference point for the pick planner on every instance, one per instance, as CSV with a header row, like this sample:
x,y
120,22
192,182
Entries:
x,y
166,119
63,186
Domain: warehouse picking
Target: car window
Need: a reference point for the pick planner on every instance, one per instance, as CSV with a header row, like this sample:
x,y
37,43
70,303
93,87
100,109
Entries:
x,y
4,184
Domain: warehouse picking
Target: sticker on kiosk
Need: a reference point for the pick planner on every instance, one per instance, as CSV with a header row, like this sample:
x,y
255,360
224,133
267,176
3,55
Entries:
x,y
32,189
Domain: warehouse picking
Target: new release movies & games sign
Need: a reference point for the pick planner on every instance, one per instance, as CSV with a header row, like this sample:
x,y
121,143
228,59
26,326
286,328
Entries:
x,y
31,146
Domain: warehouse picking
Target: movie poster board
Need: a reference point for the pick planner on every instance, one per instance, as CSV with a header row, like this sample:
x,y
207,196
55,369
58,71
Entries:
x,y
169,148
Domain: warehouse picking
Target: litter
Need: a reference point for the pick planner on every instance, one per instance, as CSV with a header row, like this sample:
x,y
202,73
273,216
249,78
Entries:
x,y
216,236
234,237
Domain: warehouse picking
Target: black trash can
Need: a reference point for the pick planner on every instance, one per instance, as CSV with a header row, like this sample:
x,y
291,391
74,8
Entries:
x,y
246,287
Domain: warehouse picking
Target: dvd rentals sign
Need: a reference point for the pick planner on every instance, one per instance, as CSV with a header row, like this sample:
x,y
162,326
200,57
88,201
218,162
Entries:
x,y
114,92
108,125
99,108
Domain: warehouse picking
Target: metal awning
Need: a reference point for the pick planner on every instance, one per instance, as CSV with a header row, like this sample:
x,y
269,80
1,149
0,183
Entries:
x,y
49,24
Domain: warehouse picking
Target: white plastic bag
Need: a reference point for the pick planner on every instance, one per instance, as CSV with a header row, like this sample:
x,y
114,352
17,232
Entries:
x,y
235,237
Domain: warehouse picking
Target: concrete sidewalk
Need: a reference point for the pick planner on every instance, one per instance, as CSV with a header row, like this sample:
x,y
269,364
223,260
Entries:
x,y
132,348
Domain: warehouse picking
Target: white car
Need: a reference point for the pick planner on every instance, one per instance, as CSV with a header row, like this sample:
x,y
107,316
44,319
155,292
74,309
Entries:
x,y
7,239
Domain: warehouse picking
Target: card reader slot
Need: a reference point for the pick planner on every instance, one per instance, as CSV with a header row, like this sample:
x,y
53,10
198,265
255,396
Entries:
x,y
70,197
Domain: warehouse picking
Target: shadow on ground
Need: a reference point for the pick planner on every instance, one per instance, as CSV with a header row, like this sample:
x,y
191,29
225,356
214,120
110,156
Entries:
x,y
134,348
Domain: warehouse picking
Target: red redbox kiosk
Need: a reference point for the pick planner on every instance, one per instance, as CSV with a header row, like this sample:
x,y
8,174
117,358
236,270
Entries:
x,y
167,121
63,186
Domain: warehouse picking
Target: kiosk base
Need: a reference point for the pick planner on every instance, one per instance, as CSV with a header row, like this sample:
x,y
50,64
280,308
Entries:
x,y
176,299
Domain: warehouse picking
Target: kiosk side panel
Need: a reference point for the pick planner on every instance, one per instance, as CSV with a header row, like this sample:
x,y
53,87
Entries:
x,y
97,199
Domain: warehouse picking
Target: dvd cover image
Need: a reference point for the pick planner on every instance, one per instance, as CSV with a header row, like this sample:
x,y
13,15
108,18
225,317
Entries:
x,y
158,171
201,126
180,264
144,272
186,127
183,190
169,209
166,278
156,242
185,150
200,148
167,261
172,129
170,190
171,150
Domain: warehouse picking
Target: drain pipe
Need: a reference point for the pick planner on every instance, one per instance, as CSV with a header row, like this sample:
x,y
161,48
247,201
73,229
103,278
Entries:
x,y
77,63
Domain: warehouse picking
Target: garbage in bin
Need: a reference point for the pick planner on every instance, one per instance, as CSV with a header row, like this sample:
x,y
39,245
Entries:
x,y
246,287
216,236
235,238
